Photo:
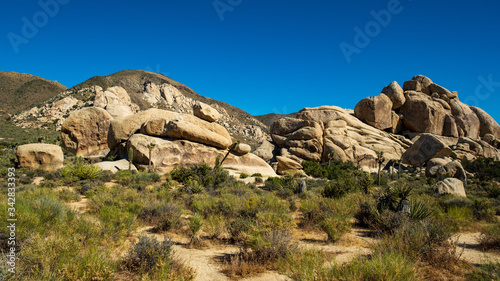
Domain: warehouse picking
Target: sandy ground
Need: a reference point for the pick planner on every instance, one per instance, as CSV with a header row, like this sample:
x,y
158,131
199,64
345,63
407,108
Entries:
x,y
468,243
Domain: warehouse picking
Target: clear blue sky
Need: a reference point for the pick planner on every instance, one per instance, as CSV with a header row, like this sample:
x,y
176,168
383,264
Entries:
x,y
263,56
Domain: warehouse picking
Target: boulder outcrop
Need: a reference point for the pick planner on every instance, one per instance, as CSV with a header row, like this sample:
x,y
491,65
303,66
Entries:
x,y
375,111
205,112
85,131
329,131
43,156
155,122
115,100
425,148
450,186
169,153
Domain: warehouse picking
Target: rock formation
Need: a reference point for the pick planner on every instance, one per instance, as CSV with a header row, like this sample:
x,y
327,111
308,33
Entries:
x,y
329,131
450,186
85,132
34,156
115,100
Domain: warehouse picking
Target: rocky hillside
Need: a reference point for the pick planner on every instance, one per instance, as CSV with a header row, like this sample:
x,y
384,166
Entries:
x,y
269,119
130,91
20,91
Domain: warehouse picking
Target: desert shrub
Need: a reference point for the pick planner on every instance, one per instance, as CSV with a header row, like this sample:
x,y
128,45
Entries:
x,y
243,176
482,210
205,175
49,210
152,213
257,175
331,170
340,187
240,228
195,223
279,183
170,217
485,272
115,220
335,226
259,180
426,240
215,226
389,266
86,172
490,237
147,254
484,169
271,245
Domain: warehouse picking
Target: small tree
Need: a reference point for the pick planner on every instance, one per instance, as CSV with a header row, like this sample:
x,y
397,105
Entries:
x,y
150,146
380,160
195,224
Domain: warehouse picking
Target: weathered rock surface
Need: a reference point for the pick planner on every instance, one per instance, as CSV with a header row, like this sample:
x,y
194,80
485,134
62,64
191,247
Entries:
x,y
467,122
320,133
115,166
266,151
422,114
48,157
488,125
155,122
450,186
425,148
242,149
395,94
286,164
170,153
205,112
438,167
375,111
85,131
115,100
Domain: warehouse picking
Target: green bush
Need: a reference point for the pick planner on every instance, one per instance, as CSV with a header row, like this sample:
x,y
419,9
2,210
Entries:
x,y
205,175
335,226
257,175
331,170
195,223
243,176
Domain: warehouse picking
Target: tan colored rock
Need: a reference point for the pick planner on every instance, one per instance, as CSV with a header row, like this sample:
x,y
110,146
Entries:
x,y
450,186
424,149
242,149
375,111
438,167
395,94
467,121
188,131
442,92
266,151
155,122
303,138
205,112
171,94
412,85
425,83
488,125
168,154
340,135
48,157
397,123
115,100
286,164
85,131
115,166
422,114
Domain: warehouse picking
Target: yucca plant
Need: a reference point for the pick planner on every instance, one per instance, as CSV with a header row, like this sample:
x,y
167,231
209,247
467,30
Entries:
x,y
419,210
87,172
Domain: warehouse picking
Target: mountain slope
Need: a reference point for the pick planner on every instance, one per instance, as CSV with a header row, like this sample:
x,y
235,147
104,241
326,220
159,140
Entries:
x,y
269,119
20,91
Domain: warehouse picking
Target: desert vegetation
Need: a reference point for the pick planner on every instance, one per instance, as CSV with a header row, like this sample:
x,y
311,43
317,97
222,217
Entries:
x,y
413,230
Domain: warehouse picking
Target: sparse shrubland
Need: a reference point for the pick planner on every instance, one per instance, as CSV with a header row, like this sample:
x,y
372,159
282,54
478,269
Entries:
x,y
412,227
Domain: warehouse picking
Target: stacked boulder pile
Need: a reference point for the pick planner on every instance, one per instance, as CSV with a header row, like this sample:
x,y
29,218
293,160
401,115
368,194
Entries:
x,y
112,127
421,124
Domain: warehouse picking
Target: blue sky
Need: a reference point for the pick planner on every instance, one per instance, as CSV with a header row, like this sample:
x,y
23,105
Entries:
x,y
263,56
